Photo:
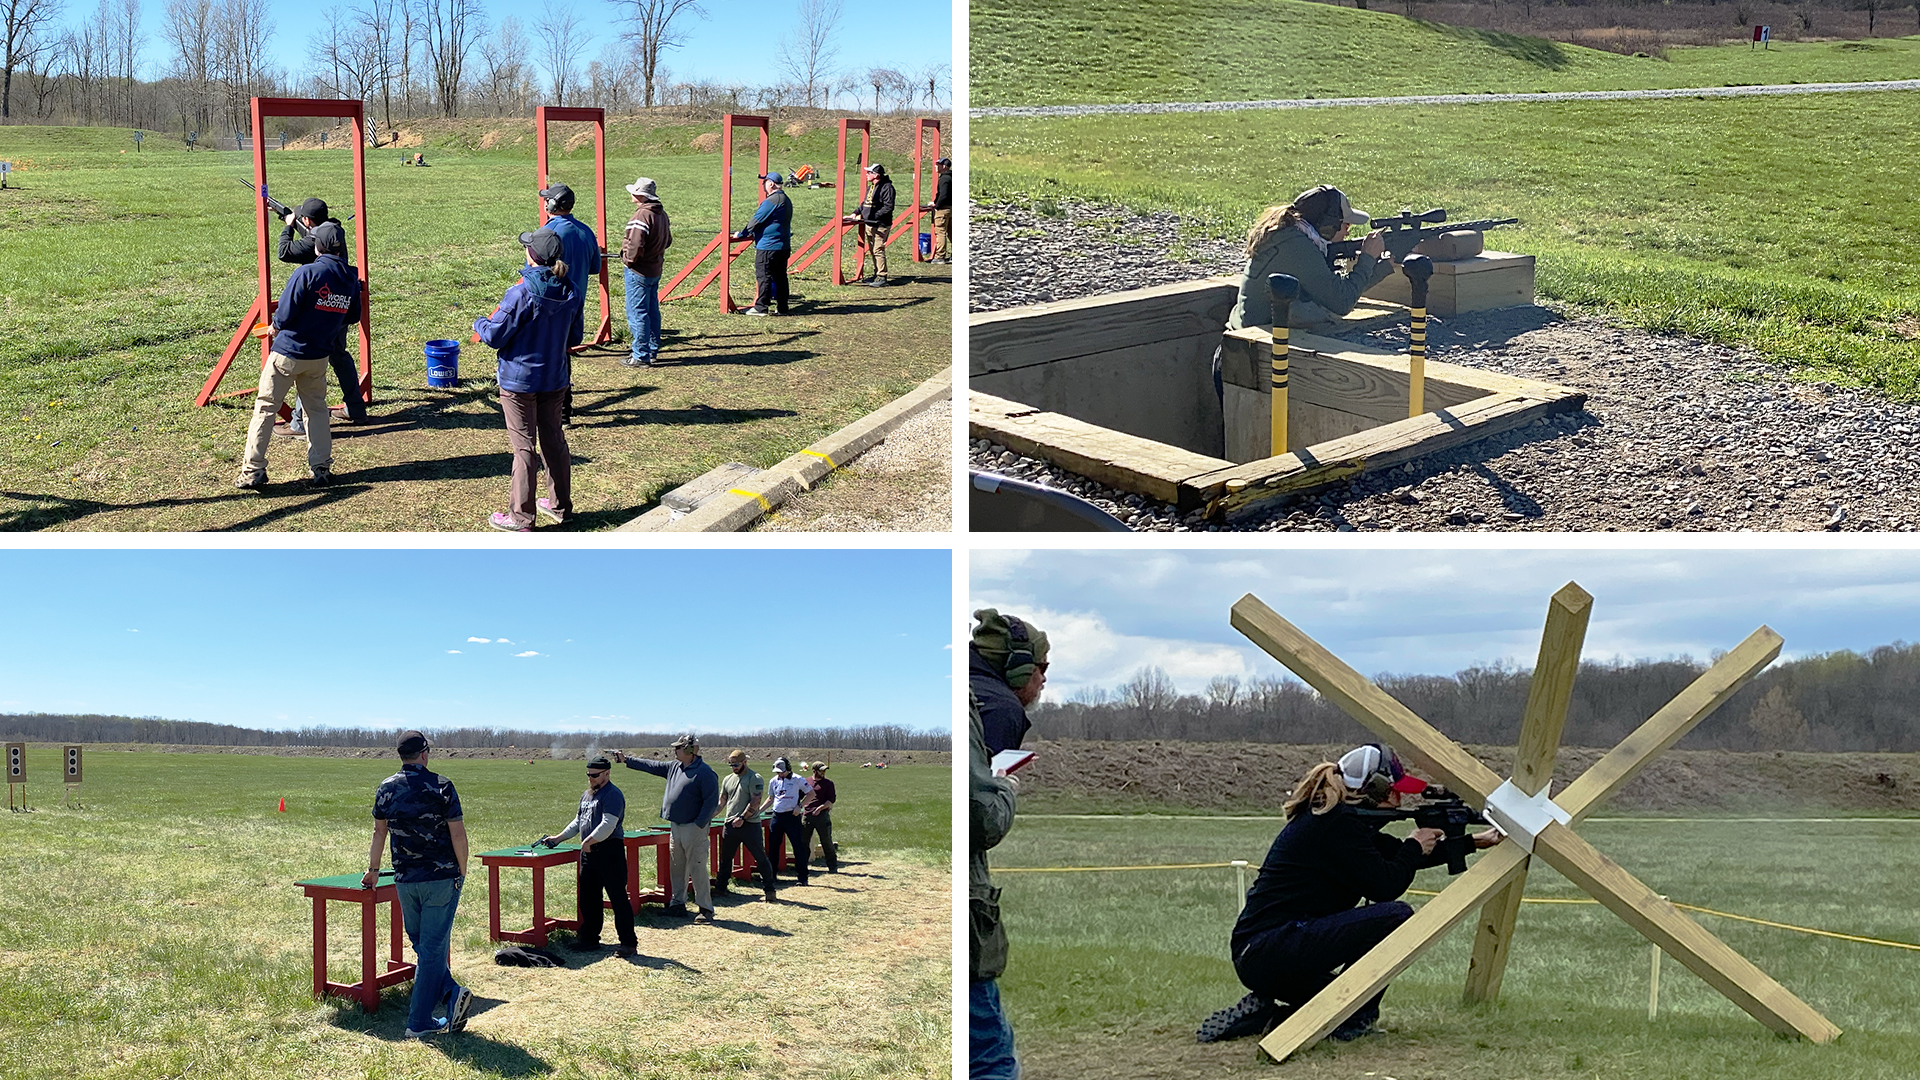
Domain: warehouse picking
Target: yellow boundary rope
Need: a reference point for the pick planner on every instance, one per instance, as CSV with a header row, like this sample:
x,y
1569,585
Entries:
x,y
1524,900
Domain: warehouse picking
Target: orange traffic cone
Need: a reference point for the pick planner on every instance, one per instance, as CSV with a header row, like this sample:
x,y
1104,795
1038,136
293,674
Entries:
x,y
283,804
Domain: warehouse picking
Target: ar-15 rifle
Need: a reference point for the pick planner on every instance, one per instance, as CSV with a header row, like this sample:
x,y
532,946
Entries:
x,y
1406,232
1438,809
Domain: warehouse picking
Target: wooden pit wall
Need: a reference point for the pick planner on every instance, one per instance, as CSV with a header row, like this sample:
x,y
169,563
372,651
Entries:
x,y
1138,362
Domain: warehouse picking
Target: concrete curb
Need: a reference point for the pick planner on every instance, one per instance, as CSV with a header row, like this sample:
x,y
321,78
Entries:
x,y
741,507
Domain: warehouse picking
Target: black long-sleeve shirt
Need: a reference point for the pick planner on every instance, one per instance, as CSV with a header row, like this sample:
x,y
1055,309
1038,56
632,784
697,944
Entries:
x,y
1321,864
943,191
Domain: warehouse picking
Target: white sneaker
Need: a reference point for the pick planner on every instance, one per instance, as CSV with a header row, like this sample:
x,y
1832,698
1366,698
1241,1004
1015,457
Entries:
x,y
427,1034
462,1002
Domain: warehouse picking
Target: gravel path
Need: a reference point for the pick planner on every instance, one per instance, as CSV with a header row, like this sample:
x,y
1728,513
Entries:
x,y
903,483
1678,434
1160,107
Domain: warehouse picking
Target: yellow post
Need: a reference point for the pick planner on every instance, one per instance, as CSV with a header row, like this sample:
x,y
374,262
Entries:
x,y
1281,289
1418,269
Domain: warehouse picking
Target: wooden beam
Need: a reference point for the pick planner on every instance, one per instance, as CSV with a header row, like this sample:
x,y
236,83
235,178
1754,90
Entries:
x,y
1674,720
1366,976
1114,458
1359,698
1680,937
1540,728
1042,333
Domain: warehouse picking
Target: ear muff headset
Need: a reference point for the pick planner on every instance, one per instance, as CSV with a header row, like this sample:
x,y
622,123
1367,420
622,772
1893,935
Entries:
x,y
560,205
1020,665
1379,782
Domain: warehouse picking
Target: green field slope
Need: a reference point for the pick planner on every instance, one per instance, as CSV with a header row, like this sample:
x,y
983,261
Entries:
x,y
1053,52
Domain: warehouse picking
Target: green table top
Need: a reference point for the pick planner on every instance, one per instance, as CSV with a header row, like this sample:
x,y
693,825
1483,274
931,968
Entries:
x,y
346,881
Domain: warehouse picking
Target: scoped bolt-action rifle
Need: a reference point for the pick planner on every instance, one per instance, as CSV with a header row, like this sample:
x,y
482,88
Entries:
x,y
1438,809
1406,232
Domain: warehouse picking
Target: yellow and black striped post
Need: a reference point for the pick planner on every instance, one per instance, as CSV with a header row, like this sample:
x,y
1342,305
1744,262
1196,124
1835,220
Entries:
x,y
1418,269
1281,289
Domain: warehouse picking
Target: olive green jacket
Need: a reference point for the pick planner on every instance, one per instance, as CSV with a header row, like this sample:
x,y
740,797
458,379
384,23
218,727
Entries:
x,y
992,818
1290,251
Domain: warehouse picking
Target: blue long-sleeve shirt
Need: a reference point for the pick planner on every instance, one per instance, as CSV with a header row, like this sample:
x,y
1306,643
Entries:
x,y
531,328
319,298
693,791
772,223
580,250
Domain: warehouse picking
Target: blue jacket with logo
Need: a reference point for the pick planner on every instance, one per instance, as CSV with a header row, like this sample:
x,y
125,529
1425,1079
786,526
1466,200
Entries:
x,y
532,329
772,223
319,299
579,249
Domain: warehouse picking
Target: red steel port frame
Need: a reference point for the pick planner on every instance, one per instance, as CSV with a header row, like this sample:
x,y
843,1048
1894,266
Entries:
x,y
723,242
543,115
802,257
921,125
264,301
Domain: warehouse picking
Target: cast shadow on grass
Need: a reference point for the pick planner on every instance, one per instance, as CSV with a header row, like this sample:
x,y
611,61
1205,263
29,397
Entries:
x,y
742,927
489,1056
468,1047
1539,52
867,307
65,509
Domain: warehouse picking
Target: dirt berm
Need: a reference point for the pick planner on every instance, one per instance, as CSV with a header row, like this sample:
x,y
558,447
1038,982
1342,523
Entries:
x,y
1255,778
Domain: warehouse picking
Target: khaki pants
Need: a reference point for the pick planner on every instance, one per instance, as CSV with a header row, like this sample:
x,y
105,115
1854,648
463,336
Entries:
x,y
310,378
689,853
874,239
943,234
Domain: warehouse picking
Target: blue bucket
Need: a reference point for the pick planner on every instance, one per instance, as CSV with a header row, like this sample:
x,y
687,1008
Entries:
x,y
443,363
926,244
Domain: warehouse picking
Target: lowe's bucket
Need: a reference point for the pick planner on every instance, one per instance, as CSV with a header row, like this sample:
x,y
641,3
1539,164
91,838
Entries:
x,y
443,363
926,244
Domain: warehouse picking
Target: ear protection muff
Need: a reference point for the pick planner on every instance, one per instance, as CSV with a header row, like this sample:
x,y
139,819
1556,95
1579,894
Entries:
x,y
559,205
1379,783
1020,665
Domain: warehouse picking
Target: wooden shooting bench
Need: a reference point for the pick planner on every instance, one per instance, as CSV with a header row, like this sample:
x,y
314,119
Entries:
x,y
347,889
537,859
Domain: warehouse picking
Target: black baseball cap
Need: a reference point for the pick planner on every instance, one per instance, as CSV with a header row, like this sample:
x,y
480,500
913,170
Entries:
x,y
313,209
599,764
544,245
557,193
411,743
328,237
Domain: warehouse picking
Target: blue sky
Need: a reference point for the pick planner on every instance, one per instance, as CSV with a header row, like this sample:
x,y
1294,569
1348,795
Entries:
x,y
736,42
1108,613
727,641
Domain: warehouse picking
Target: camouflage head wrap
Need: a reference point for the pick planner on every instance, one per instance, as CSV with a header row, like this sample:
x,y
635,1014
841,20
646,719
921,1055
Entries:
x,y
993,638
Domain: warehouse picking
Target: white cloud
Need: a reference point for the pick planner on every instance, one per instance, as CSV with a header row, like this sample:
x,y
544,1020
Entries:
x,y
529,652
453,652
481,640
133,631
501,641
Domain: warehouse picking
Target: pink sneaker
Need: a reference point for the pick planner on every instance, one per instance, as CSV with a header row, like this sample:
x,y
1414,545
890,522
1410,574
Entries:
x,y
504,522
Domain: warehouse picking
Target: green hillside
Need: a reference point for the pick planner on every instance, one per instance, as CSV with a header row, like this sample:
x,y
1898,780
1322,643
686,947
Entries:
x,y
1047,52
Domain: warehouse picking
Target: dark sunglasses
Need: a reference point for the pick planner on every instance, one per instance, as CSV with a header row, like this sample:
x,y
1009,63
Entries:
x,y
596,775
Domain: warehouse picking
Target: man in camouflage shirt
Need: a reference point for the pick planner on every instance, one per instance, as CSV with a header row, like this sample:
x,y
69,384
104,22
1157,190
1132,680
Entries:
x,y
420,811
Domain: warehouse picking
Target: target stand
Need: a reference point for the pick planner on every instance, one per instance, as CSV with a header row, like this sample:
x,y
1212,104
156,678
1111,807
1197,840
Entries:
x,y
806,254
264,300
1535,824
17,776
542,116
911,226
71,775
723,243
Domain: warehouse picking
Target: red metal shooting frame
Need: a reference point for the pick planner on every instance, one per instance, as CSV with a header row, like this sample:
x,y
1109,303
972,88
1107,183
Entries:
x,y
542,115
912,223
804,258
264,300
722,242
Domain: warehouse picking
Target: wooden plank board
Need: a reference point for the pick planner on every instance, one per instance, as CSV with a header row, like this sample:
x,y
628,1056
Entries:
x,y
1246,360
1667,726
1540,727
1357,696
1680,937
1161,391
1371,973
1041,333
1114,458
1239,490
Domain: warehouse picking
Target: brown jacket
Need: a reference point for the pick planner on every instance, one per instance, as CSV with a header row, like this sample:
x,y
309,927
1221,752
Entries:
x,y
649,235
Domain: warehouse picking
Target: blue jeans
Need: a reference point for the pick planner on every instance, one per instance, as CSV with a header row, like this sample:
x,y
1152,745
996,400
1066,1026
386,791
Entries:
x,y
991,1037
643,315
427,908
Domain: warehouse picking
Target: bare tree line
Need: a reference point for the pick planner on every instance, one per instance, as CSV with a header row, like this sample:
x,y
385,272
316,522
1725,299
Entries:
x,y
48,727
1840,701
405,59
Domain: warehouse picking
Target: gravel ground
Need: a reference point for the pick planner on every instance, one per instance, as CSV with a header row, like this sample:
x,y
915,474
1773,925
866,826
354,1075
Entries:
x,y
1678,434
902,484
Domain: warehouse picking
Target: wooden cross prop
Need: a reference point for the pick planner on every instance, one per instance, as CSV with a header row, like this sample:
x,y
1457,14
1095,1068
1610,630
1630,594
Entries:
x,y
1494,882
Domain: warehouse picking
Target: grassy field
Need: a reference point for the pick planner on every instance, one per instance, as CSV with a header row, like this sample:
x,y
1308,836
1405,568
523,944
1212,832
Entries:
x,y
124,275
1121,967
1777,223
1059,53
157,933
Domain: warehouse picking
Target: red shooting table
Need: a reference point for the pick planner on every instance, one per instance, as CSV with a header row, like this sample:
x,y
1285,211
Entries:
x,y
347,887
537,859
742,868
